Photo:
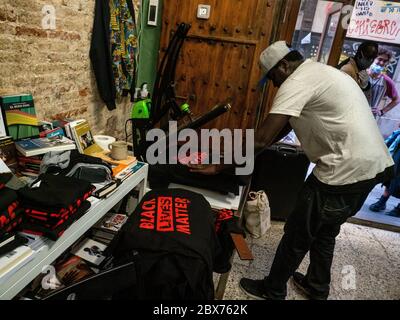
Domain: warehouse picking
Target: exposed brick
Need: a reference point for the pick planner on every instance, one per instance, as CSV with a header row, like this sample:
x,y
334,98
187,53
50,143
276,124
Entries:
x,y
28,31
54,65
84,92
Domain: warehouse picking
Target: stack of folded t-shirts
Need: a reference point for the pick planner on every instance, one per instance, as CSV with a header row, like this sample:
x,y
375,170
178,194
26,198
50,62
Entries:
x,y
53,203
10,213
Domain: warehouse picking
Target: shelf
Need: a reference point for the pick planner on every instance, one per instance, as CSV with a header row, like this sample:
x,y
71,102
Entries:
x,y
48,254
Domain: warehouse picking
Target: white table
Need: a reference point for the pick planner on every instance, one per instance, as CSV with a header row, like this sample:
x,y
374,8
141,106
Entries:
x,y
49,253
216,199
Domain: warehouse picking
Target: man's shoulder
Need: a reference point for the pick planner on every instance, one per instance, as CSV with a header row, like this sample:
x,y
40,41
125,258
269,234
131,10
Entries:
x,y
350,68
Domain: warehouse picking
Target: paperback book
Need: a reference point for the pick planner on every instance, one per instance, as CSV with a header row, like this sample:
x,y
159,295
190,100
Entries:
x,y
112,223
83,137
91,251
8,152
19,116
33,147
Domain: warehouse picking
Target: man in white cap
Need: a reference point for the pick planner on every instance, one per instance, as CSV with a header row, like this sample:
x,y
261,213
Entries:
x,y
330,116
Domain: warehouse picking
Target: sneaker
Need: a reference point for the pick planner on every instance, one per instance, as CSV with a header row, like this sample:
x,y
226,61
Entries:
x,y
395,212
300,283
253,288
378,206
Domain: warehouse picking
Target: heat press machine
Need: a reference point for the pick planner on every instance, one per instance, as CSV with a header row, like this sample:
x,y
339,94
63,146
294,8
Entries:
x,y
149,113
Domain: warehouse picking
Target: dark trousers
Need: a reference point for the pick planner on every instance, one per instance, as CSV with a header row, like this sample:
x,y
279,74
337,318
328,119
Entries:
x,y
313,226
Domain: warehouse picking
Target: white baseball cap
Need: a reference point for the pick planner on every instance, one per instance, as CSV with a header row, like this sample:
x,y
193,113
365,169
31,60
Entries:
x,y
272,55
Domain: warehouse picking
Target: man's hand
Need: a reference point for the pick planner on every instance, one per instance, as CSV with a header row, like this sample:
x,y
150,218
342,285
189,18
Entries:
x,y
364,78
206,169
375,111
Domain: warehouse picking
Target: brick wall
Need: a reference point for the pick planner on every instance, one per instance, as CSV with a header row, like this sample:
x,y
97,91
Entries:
x,y
54,65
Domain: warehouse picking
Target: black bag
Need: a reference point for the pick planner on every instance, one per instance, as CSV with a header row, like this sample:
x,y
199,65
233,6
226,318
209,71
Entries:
x,y
84,167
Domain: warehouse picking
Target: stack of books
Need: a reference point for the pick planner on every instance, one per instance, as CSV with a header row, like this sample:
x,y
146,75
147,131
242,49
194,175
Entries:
x,y
8,153
31,152
106,229
122,169
14,260
29,166
39,146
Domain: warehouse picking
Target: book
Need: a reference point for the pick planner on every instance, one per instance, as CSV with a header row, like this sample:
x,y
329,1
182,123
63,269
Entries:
x,y
106,156
14,260
83,137
52,133
8,152
3,168
90,251
105,190
3,131
72,269
103,235
6,238
32,147
111,223
19,116
127,172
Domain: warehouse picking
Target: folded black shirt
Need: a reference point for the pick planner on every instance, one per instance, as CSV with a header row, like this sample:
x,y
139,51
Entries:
x,y
54,192
54,233
161,175
7,197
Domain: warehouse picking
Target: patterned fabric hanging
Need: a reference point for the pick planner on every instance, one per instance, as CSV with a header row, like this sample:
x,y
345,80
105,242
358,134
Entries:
x,y
123,40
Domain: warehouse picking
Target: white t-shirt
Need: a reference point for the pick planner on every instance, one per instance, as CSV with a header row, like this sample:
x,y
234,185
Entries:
x,y
333,121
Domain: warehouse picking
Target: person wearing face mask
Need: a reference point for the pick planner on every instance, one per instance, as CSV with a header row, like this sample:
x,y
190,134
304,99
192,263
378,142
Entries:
x,y
357,67
381,85
330,116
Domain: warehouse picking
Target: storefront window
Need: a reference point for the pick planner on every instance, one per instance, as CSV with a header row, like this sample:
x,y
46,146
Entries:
x,y
316,27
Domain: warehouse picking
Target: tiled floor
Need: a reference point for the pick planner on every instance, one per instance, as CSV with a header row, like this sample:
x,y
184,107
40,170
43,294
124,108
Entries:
x,y
379,217
372,255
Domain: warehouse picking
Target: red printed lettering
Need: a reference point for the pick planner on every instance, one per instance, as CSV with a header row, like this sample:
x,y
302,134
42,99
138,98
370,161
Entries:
x,y
146,225
377,29
165,219
183,228
149,205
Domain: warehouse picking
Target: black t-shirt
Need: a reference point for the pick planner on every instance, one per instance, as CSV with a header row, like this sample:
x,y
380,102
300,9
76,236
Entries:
x,y
174,232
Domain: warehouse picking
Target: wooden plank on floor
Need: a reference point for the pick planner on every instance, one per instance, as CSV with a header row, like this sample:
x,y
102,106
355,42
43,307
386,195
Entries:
x,y
242,247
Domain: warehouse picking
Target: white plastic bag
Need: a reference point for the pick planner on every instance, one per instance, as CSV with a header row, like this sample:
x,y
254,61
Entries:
x,y
257,214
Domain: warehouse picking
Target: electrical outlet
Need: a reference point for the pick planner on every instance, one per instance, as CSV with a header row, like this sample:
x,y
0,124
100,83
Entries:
x,y
203,11
153,13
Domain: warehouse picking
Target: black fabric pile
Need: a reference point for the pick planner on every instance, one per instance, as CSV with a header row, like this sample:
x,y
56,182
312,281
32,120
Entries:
x,y
53,203
180,242
173,231
11,216
225,224
161,175
10,213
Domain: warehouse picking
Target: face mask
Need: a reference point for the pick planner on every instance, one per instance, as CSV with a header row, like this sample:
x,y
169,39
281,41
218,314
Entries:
x,y
377,69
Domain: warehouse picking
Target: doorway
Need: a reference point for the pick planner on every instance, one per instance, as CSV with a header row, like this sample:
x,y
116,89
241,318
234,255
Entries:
x,y
320,35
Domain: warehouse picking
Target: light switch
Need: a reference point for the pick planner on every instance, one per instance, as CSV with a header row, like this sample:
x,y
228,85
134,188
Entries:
x,y
203,11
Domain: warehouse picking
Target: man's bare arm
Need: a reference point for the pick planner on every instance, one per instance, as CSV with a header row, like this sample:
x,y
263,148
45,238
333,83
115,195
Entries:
x,y
273,128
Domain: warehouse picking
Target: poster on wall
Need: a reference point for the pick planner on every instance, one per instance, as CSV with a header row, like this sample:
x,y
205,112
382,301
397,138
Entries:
x,y
376,21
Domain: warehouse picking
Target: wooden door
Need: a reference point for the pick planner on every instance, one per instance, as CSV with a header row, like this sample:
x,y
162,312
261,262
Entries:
x,y
219,60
